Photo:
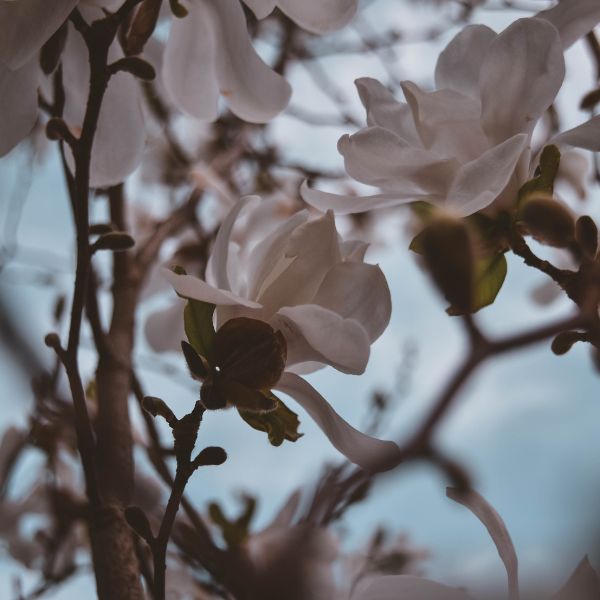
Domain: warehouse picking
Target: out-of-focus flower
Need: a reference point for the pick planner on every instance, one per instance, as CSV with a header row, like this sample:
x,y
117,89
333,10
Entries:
x,y
465,146
582,585
327,303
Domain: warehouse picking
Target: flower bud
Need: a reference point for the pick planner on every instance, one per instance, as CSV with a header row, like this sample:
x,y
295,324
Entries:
x,y
213,455
138,521
143,25
549,222
57,129
586,234
564,341
156,406
448,251
117,241
590,100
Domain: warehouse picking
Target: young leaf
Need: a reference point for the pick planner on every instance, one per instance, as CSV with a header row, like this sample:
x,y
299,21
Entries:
x,y
489,278
279,424
543,184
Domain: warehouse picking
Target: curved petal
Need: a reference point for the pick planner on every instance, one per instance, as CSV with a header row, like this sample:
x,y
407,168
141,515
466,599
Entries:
x,y
18,103
573,19
522,72
312,250
345,205
381,158
355,290
459,64
192,287
493,522
385,111
120,135
319,16
369,453
582,585
164,329
220,253
354,250
265,256
410,587
26,25
342,341
478,183
189,64
261,8
252,90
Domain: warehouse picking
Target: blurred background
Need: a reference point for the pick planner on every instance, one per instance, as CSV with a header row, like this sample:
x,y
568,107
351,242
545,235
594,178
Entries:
x,y
526,427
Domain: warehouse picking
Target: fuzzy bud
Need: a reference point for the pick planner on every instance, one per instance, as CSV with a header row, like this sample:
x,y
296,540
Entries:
x,y
213,455
586,234
156,407
549,222
564,341
57,129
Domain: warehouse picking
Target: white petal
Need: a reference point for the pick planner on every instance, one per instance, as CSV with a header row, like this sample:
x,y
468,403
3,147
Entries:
x,y
189,67
261,8
573,19
355,290
319,16
366,452
341,341
26,25
354,250
252,90
164,329
459,64
18,103
381,158
582,585
345,205
192,287
265,256
314,249
447,122
493,522
522,72
120,136
220,253
478,183
385,111
410,587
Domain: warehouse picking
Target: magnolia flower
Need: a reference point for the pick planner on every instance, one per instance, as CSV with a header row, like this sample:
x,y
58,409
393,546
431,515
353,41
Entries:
x,y
582,585
466,145
328,305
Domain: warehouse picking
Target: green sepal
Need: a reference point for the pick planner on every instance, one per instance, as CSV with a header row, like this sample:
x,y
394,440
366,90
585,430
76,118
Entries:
x,y
490,274
236,532
543,184
177,9
198,323
279,424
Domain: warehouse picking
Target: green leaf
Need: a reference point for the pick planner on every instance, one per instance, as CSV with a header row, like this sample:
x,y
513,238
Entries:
x,y
543,184
198,323
279,424
489,278
234,533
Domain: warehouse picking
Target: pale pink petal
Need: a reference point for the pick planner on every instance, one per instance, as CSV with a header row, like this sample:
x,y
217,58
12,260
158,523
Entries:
x,y
252,90
340,341
410,587
220,253
381,158
478,183
369,453
582,585
356,290
189,64
493,522
164,329
261,8
312,250
522,72
345,205
385,111
18,103
354,250
265,256
447,122
459,64
121,133
192,287
319,16
26,25
573,19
